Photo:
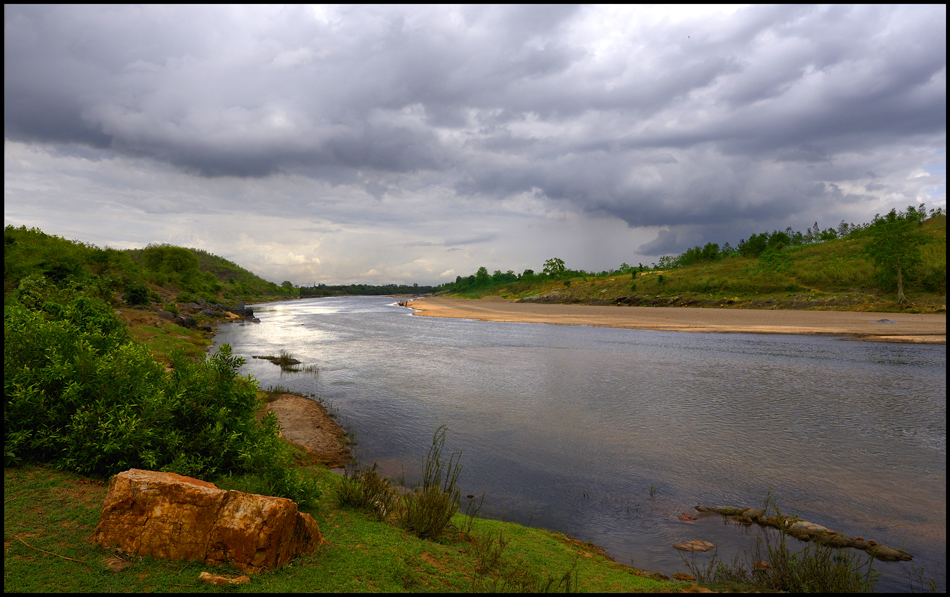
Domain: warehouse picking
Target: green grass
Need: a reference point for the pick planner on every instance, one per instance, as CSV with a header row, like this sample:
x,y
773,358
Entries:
x,y
164,341
57,512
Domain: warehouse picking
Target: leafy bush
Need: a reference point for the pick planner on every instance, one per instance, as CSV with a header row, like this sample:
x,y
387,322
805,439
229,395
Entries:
x,y
81,394
136,294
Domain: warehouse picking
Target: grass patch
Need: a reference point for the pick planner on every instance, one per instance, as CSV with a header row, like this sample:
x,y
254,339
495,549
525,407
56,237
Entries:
x,y
168,339
287,362
56,512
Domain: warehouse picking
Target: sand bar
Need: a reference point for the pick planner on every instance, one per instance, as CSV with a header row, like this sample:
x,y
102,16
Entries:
x,y
907,327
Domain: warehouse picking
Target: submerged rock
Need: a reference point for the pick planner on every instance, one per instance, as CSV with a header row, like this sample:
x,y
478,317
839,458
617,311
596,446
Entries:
x,y
695,545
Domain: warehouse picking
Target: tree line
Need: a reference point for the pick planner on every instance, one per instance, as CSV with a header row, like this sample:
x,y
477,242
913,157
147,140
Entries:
x,y
893,246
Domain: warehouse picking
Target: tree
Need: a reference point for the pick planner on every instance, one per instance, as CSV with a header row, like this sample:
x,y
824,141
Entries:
x,y
554,267
894,247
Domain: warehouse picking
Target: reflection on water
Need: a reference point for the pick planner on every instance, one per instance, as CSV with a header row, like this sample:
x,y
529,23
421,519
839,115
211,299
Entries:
x,y
569,427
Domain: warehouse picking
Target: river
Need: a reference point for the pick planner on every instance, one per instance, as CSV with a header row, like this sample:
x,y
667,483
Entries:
x,y
608,434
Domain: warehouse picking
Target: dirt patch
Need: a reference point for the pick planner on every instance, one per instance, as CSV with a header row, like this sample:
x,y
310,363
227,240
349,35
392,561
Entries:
x,y
306,423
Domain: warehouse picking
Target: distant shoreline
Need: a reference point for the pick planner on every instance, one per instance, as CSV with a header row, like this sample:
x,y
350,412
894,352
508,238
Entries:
x,y
907,327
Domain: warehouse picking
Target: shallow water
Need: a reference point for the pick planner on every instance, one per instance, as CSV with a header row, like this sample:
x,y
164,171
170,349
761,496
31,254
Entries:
x,y
607,434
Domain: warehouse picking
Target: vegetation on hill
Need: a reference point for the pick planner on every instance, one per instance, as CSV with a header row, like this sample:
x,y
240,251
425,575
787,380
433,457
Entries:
x,y
895,262
137,276
321,290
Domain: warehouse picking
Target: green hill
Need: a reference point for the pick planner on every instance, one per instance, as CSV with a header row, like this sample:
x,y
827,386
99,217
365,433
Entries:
x,y
167,273
835,274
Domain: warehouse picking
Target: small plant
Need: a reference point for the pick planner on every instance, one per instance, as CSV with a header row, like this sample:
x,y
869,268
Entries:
x,y
366,490
567,283
633,287
429,508
487,551
652,491
659,278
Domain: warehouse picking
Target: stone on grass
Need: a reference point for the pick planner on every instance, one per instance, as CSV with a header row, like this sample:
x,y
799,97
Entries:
x,y
216,579
172,517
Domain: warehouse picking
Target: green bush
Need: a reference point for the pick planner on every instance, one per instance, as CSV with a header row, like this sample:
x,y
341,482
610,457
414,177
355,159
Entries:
x,y
429,508
82,395
136,294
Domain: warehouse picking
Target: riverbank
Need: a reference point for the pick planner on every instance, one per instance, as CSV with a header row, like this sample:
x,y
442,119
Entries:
x,y
880,327
305,422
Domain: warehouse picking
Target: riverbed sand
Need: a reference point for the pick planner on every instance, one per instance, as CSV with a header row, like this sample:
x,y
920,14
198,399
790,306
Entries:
x,y
907,327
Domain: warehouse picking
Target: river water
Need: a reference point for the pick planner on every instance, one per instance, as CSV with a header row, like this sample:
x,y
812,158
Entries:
x,y
608,434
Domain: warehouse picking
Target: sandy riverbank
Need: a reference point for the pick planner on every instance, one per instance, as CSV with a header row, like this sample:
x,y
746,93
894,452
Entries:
x,y
907,327
306,423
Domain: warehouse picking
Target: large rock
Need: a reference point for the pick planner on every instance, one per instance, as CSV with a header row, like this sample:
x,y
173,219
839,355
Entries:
x,y
172,517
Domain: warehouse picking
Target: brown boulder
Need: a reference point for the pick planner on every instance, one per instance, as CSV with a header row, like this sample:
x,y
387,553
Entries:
x,y
172,517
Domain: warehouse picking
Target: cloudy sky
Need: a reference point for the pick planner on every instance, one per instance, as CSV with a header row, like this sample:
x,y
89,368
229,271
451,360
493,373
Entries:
x,y
361,144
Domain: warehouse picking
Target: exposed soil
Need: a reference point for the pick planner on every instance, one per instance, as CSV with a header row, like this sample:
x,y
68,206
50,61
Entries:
x,y
306,423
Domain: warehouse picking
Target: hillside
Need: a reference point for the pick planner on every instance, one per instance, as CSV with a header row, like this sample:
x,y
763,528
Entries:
x,y
834,274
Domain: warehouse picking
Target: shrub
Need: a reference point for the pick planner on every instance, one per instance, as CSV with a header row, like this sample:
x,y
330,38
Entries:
x,y
366,490
429,508
136,294
82,395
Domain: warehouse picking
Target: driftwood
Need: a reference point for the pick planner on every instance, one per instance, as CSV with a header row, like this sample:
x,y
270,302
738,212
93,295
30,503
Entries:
x,y
809,531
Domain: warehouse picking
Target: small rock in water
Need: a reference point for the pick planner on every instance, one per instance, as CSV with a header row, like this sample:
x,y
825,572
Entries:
x,y
695,545
883,321
684,517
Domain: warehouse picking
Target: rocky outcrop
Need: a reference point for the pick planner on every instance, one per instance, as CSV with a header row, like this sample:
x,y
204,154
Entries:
x,y
172,517
808,531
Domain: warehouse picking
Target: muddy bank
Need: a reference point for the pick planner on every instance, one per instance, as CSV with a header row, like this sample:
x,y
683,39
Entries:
x,y
306,423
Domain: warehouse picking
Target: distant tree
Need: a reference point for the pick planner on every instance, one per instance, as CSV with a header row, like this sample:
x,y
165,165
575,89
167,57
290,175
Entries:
x,y
894,247
481,277
778,241
755,246
554,267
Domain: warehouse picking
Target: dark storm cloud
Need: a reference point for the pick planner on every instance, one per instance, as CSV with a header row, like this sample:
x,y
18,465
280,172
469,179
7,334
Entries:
x,y
707,123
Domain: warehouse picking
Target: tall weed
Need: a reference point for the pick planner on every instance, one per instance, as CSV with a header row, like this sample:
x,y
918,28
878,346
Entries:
x,y
430,507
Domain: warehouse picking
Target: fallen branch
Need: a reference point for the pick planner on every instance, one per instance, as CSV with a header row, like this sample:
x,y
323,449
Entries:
x,y
47,552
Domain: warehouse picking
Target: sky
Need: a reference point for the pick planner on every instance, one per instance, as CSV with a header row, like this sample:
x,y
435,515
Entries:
x,y
413,144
